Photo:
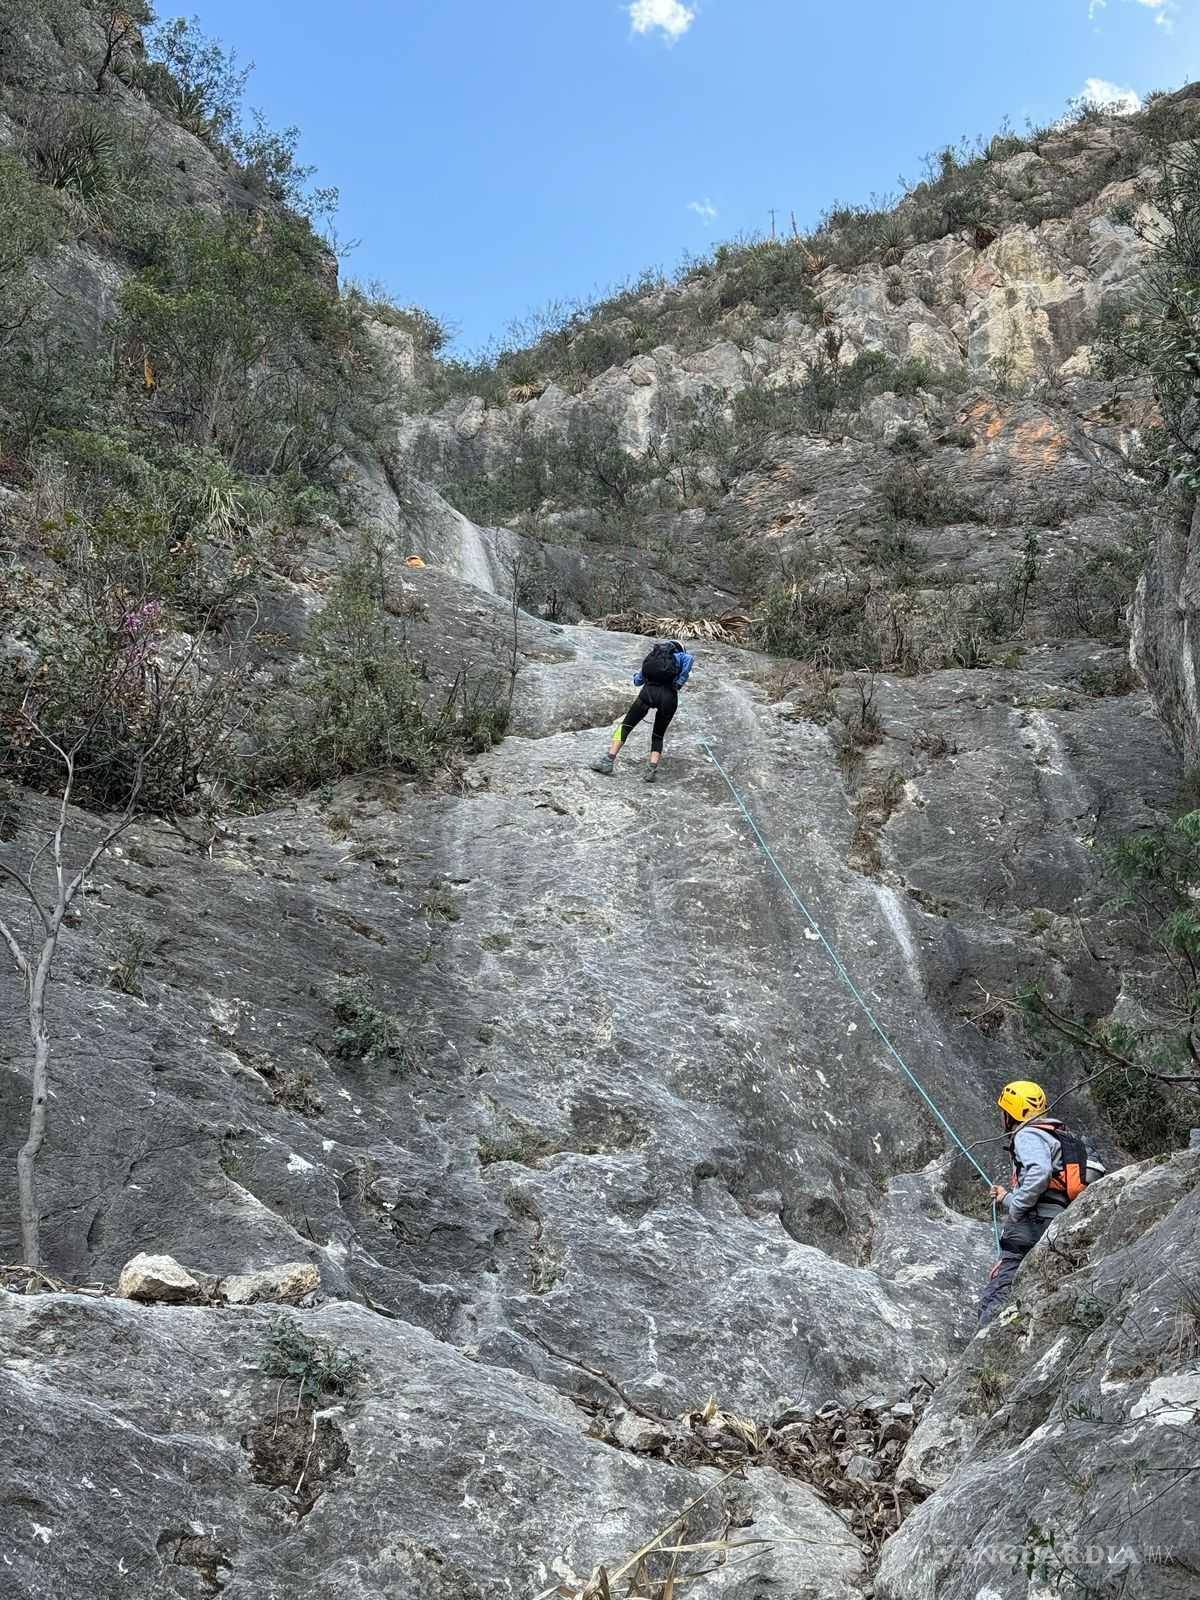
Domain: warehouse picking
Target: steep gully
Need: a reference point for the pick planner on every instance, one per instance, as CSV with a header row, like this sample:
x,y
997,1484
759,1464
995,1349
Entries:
x,y
703,1177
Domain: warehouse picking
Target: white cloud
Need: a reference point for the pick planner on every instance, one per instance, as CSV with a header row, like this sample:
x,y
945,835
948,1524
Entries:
x,y
670,17
1110,97
705,210
1164,11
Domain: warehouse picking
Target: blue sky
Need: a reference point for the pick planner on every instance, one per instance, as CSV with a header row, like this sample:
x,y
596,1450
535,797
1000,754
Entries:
x,y
493,155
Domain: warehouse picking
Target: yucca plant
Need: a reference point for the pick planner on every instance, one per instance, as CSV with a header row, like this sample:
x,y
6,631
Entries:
x,y
78,157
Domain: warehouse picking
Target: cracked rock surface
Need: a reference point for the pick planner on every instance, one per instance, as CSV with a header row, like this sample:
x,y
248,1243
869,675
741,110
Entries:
x,y
632,1152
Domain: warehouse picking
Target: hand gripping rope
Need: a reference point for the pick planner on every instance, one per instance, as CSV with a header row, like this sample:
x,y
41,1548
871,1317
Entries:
x,y
850,984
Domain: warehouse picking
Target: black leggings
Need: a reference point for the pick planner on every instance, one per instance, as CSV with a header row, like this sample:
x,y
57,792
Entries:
x,y
663,701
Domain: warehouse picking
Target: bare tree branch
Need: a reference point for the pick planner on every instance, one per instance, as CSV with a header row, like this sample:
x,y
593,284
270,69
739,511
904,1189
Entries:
x,y
18,955
25,889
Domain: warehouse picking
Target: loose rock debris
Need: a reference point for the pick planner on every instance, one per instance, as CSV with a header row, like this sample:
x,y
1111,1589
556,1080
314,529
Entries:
x,y
848,1455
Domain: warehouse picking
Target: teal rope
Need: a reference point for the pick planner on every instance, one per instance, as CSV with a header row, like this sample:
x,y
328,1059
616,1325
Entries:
x,y
850,984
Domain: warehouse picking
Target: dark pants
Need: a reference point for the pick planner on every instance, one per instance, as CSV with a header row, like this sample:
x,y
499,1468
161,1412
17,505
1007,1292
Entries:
x,y
663,700
1017,1239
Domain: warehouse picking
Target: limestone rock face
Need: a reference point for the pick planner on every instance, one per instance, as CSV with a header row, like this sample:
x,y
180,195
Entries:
x,y
1076,1411
639,1151
1166,626
438,1476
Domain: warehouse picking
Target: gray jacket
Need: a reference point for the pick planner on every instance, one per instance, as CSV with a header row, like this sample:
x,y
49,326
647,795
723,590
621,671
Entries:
x,y
1040,1156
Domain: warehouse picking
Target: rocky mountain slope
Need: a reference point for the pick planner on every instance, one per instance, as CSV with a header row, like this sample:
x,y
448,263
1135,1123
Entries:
x,y
611,1190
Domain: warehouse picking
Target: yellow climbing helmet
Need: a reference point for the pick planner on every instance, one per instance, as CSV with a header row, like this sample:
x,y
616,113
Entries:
x,y
1022,1100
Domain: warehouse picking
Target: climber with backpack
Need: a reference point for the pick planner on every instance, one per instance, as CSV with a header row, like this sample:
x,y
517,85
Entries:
x,y
663,673
1051,1167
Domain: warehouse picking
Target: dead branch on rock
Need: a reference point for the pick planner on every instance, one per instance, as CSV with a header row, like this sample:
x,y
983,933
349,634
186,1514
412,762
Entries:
x,y
848,1455
730,628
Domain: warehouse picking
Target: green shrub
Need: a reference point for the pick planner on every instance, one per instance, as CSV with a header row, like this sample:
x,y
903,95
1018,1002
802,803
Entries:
x,y
102,675
1143,1072
907,443
122,38
31,224
823,619
1156,337
440,905
759,413
361,701
125,970
1146,1119
361,696
315,1366
585,466
297,1091
366,1033
249,349
1109,682
915,491
772,275
481,705
428,333
859,727
267,165
830,389
48,386
1091,594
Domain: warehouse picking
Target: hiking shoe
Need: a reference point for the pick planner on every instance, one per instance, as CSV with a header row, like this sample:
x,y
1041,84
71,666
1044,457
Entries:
x,y
604,765
651,775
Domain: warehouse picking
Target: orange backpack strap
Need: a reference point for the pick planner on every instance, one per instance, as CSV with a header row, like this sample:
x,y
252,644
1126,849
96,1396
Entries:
x,y
1070,1183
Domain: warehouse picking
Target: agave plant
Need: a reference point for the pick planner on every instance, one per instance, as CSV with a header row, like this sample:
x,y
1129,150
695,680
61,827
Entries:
x,y
77,157
892,239
190,110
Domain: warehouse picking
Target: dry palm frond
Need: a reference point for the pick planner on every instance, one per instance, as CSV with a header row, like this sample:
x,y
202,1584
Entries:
x,y
751,1435
819,1449
221,509
726,629
606,1578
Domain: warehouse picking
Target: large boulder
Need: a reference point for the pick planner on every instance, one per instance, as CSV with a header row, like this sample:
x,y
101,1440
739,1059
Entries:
x,y
158,1279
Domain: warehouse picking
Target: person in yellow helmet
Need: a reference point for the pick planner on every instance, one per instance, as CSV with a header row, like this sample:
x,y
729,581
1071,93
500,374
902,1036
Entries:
x,y
1050,1167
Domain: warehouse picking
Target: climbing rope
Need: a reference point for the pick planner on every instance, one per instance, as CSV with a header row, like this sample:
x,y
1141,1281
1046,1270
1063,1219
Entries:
x,y
849,982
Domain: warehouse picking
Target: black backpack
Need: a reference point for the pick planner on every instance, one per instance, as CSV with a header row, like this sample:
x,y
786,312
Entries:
x,y
660,666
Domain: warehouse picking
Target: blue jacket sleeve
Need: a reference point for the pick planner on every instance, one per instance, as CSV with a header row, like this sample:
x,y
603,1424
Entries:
x,y
686,663
638,679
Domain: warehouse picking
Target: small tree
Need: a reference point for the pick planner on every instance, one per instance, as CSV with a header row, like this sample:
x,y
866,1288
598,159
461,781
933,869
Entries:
x,y
121,30
593,462
1145,1066
106,707
197,77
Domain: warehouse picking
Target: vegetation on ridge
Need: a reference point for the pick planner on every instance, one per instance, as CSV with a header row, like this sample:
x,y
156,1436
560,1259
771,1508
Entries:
x,y
747,282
